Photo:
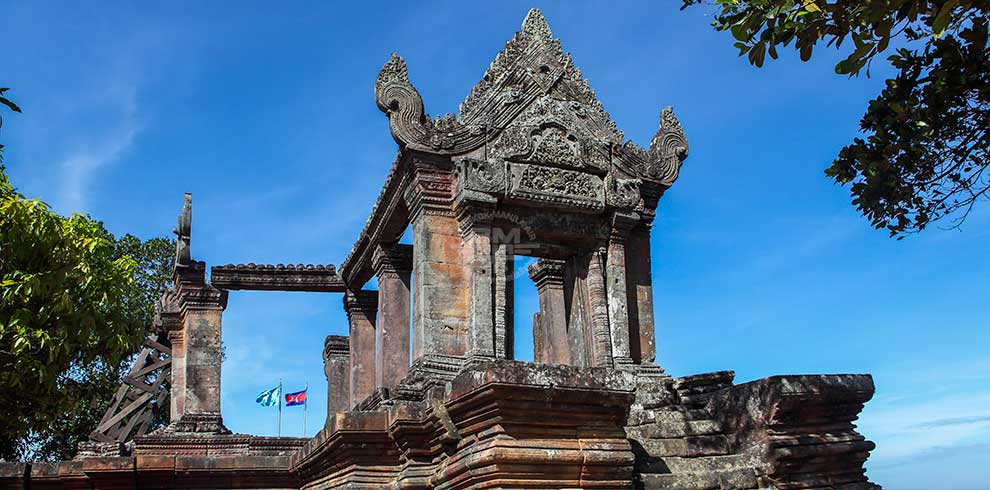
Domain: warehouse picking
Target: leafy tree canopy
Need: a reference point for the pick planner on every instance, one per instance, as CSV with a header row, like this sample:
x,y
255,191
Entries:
x,y
924,157
75,303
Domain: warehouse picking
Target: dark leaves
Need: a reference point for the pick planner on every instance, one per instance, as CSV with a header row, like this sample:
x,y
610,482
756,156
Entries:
x,y
924,157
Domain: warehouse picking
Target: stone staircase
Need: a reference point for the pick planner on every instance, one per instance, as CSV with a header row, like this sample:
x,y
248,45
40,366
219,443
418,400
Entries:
x,y
678,445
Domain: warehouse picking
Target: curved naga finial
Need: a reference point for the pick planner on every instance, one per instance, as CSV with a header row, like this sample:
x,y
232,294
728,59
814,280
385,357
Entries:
x,y
400,100
668,149
407,118
183,233
669,144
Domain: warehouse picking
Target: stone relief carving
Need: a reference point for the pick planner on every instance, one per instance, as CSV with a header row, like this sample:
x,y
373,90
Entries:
x,y
480,175
555,186
622,193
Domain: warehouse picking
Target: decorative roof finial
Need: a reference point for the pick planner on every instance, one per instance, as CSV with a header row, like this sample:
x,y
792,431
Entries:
x,y
668,149
394,70
535,26
183,233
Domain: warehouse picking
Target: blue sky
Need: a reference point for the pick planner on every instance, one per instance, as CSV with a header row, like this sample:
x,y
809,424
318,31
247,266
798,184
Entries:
x,y
267,116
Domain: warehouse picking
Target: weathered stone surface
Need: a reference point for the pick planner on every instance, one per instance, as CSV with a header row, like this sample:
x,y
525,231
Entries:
x,y
266,277
531,166
393,266
337,367
362,309
550,333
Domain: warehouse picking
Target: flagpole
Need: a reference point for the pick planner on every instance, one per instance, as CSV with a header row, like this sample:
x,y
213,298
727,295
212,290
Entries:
x,y
305,407
280,407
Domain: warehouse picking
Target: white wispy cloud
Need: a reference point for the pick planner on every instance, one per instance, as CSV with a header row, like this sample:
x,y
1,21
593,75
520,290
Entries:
x,y
943,411
106,146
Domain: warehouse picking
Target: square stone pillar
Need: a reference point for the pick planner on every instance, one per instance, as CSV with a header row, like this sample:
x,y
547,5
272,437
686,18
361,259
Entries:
x,y
177,400
361,307
576,310
441,275
595,296
640,295
504,270
478,246
393,265
196,402
169,313
550,336
615,276
337,366
474,215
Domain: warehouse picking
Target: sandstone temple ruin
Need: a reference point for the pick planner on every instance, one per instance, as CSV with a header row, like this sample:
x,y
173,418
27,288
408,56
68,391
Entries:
x,y
532,165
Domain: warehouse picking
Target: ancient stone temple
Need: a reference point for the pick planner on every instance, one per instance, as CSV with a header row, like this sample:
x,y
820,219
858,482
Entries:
x,y
531,166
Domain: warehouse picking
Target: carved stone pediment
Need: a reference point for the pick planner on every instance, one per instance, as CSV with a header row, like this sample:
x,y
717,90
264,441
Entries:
x,y
530,87
553,132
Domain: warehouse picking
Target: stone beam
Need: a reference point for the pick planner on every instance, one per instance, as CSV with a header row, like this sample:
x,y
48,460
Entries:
x,y
266,277
386,224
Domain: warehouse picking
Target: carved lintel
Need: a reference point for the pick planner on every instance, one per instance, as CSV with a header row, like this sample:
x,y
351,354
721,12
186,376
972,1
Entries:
x,y
556,187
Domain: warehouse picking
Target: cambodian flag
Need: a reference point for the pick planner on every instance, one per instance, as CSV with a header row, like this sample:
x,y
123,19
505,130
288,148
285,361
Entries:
x,y
297,398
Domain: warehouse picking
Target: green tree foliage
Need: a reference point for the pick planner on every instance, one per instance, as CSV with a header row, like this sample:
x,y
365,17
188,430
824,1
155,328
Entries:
x,y
924,157
10,105
75,304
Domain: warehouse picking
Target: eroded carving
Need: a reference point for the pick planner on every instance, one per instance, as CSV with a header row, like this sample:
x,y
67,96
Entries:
x,y
556,186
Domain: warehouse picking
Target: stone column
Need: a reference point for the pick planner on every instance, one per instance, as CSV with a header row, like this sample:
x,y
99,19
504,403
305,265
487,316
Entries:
x,y
576,314
361,307
551,328
177,399
597,301
504,269
336,366
478,246
441,289
615,275
203,358
201,309
393,265
640,295
169,313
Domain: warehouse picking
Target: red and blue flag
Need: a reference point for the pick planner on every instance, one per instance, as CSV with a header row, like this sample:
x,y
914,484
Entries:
x,y
297,398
